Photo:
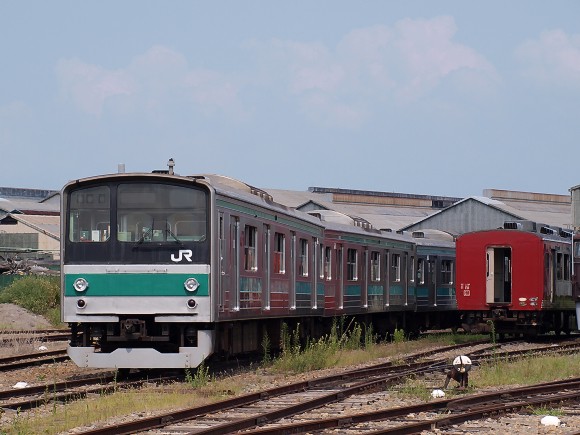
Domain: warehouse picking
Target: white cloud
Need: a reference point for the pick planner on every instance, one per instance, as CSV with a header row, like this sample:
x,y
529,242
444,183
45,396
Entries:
x,y
552,59
430,55
154,79
311,66
349,82
88,86
374,65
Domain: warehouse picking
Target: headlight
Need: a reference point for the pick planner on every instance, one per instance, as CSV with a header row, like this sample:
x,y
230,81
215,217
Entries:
x,y
191,284
81,284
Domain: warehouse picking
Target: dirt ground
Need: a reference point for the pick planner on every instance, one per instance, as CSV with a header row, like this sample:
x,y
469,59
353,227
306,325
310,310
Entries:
x,y
13,317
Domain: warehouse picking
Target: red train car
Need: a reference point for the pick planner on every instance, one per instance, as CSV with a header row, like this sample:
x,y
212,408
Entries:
x,y
516,280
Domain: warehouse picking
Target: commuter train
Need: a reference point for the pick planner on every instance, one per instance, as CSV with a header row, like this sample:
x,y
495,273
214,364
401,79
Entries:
x,y
161,270
521,279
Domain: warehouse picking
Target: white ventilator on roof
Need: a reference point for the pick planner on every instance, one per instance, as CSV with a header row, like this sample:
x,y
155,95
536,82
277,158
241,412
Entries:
x,y
332,216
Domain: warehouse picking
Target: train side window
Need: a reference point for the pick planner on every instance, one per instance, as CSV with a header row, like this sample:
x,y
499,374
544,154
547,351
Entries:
x,y
251,242
321,262
375,266
447,271
566,267
351,264
412,270
396,266
279,253
577,249
328,263
303,260
559,266
421,271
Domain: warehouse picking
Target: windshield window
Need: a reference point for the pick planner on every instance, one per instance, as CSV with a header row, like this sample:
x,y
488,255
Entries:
x,y
90,215
149,213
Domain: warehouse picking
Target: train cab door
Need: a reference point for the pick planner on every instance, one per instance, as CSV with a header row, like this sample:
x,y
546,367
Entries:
x,y
498,275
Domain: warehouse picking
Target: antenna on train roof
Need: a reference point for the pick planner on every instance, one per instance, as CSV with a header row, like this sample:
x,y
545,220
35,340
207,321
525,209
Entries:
x,y
170,164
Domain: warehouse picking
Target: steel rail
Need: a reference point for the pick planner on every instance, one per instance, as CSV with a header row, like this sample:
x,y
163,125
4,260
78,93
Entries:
x,y
190,413
443,404
59,356
58,391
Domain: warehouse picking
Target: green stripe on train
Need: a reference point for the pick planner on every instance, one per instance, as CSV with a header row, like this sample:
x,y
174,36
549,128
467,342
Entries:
x,y
136,284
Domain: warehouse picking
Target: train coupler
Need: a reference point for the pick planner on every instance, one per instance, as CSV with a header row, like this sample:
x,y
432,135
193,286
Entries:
x,y
133,329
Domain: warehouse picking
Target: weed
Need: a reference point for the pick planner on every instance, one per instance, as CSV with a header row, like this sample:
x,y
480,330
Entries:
x,y
370,336
200,378
546,411
414,388
491,324
266,347
399,335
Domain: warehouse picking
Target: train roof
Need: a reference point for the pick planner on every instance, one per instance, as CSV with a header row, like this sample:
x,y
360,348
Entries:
x,y
543,233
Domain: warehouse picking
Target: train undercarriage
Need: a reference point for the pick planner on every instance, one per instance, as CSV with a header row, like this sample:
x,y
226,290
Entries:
x,y
519,323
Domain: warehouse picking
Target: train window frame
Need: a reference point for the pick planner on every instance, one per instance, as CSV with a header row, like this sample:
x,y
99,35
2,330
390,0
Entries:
x,y
559,266
577,248
328,263
351,264
375,264
447,267
321,261
303,258
421,270
279,253
396,266
250,248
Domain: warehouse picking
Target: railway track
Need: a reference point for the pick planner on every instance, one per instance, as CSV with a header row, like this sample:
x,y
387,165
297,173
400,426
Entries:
x,y
291,403
32,359
444,412
103,383
252,411
42,335
324,390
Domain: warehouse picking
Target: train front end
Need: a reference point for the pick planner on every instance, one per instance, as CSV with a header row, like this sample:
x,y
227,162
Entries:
x,y
136,263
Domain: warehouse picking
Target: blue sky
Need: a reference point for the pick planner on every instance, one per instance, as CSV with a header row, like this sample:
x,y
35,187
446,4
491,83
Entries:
x,y
428,97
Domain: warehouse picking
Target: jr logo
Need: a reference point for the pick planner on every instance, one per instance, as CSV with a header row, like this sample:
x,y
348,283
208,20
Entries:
x,y
183,253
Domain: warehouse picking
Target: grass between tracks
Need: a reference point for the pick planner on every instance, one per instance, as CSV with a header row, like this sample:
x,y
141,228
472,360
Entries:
x,y
530,369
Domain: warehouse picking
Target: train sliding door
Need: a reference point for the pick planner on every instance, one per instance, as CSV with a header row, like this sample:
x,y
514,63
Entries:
x,y
498,278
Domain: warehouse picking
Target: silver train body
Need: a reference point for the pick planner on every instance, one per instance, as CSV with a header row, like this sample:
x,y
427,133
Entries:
x,y
162,270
